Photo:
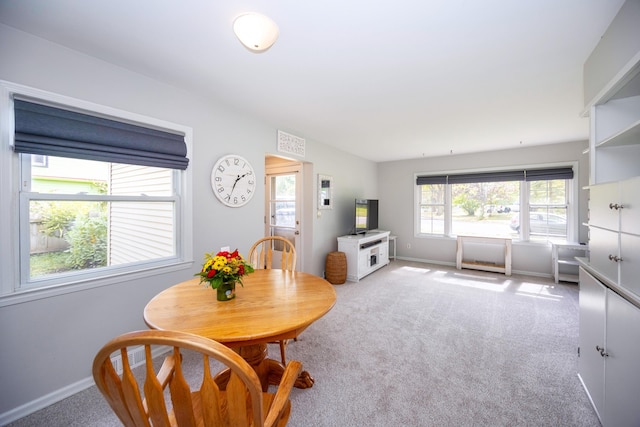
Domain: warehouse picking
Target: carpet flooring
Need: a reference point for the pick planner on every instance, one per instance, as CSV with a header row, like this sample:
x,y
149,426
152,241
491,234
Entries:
x,y
421,345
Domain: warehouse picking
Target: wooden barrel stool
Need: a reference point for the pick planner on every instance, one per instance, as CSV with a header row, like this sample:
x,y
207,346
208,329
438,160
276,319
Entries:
x,y
335,270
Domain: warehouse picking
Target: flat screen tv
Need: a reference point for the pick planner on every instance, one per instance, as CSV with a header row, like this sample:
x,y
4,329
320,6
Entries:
x,y
366,215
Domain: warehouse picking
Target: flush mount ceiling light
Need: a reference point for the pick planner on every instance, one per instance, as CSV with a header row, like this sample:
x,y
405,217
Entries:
x,y
257,32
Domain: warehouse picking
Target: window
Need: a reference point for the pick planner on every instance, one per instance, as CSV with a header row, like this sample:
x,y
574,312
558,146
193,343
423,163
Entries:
x,y
483,208
432,197
490,204
87,215
93,203
548,209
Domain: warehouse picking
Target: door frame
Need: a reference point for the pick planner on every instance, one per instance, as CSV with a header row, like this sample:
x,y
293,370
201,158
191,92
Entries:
x,y
277,165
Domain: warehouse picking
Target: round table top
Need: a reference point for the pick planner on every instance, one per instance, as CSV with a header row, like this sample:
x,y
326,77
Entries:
x,y
272,305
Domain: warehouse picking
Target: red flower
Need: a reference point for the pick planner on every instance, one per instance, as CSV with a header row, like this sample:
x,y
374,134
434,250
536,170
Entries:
x,y
241,270
211,273
234,254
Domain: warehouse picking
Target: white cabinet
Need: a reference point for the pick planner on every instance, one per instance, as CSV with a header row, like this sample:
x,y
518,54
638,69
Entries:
x,y
365,253
610,280
614,233
563,259
602,204
630,266
604,246
592,332
622,355
610,302
629,205
609,352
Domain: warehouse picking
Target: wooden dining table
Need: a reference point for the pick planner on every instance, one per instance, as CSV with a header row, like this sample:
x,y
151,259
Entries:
x,y
272,305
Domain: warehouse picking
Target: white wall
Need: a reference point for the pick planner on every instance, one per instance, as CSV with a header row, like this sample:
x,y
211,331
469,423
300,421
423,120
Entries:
x,y
396,185
47,345
618,47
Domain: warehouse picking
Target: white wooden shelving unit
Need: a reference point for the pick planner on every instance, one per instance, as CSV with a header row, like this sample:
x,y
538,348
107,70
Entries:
x,y
564,263
365,253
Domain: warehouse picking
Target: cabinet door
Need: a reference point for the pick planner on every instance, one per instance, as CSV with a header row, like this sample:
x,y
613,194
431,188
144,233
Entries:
x,y
600,214
364,261
350,247
630,199
592,329
602,244
622,380
630,264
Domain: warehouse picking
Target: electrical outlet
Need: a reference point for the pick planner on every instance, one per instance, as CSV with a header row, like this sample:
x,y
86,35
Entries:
x,y
408,245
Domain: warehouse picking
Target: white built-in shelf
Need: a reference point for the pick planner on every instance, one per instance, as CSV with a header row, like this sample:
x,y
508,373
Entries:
x,y
628,136
564,263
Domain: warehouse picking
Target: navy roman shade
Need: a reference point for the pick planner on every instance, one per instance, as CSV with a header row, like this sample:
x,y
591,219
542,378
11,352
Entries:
x,y
548,174
51,131
498,176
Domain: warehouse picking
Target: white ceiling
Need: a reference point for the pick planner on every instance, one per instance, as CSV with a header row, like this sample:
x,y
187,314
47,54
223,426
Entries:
x,y
384,80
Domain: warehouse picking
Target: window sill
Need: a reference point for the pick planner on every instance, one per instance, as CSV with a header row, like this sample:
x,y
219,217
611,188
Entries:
x,y
28,295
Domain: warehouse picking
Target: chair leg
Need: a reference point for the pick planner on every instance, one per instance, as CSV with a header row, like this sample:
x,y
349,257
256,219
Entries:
x,y
283,345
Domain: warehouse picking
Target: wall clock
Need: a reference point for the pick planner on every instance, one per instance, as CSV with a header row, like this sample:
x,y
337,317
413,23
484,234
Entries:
x,y
233,180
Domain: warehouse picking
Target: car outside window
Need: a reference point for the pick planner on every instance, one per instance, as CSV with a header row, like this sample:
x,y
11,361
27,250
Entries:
x,y
495,209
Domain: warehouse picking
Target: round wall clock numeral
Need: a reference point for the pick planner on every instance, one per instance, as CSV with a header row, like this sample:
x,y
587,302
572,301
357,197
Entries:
x,y
233,180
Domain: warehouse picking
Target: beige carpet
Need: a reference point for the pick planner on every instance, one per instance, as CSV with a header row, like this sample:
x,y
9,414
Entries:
x,y
422,345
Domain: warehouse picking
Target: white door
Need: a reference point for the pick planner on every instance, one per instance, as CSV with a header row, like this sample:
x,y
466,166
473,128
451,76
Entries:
x,y
283,206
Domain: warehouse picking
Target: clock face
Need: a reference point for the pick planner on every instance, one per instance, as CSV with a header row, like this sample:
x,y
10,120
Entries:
x,y
233,180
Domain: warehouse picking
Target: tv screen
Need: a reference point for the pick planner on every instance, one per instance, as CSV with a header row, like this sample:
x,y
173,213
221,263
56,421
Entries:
x,y
362,210
366,215
372,223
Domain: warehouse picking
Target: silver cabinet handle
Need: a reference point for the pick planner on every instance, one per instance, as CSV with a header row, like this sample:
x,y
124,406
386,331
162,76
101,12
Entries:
x,y
615,258
615,206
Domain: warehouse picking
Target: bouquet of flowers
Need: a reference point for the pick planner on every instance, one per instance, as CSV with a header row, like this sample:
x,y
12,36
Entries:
x,y
223,267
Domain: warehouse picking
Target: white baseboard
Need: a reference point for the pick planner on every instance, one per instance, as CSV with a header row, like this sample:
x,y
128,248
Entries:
x,y
453,264
136,358
44,401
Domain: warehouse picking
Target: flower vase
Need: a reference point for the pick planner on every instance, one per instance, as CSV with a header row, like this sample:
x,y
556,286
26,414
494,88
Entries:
x,y
226,291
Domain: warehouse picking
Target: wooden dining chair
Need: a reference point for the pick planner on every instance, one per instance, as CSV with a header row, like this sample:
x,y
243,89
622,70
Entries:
x,y
241,403
262,252
261,257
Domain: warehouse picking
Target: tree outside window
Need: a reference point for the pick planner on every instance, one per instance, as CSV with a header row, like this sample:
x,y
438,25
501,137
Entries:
x,y
493,209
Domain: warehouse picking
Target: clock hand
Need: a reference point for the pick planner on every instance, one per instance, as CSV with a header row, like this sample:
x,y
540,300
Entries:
x,y
239,177
234,185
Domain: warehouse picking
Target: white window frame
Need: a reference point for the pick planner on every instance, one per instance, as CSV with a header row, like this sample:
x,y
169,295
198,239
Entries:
x,y
524,237
12,289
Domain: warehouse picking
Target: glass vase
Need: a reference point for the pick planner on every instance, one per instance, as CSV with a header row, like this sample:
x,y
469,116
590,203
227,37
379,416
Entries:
x,y
226,291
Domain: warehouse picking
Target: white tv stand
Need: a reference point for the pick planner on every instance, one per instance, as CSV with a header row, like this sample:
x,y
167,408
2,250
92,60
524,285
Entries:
x,y
365,253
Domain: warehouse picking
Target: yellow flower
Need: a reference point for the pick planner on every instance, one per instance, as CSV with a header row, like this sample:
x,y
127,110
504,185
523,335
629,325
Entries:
x,y
226,265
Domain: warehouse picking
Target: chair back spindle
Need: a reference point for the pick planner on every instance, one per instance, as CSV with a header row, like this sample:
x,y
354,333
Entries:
x,y
239,402
261,254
